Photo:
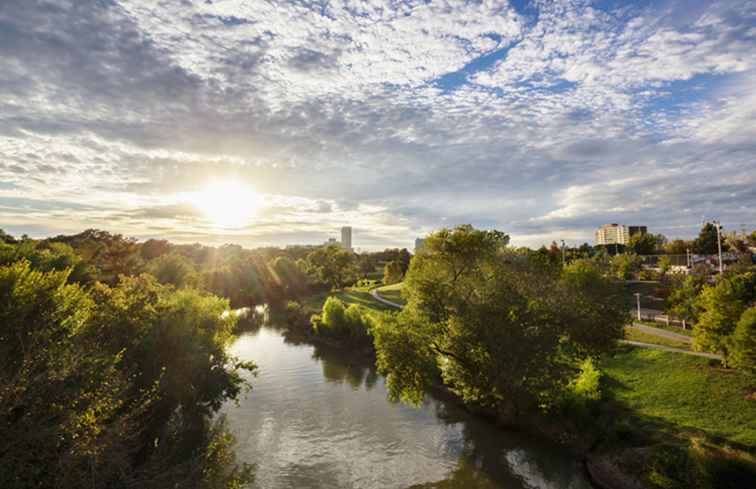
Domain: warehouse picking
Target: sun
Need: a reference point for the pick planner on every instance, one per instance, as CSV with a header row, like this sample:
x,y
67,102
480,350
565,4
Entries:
x,y
227,204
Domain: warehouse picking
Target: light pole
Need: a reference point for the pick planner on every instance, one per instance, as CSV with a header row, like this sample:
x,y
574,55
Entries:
x,y
688,261
637,300
562,252
719,245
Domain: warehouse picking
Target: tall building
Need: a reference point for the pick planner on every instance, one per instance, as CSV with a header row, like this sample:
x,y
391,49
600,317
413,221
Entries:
x,y
612,234
633,230
346,237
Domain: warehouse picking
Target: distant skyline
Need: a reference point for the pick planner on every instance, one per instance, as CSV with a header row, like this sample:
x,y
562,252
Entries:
x,y
273,123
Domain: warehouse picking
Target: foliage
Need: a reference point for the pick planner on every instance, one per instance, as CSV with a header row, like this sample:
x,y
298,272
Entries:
x,y
174,269
706,242
347,323
289,275
624,266
664,265
678,247
503,329
333,265
744,341
392,273
722,305
681,302
586,386
643,243
112,387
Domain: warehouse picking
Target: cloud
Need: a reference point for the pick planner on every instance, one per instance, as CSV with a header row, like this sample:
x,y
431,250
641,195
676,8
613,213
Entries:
x,y
543,120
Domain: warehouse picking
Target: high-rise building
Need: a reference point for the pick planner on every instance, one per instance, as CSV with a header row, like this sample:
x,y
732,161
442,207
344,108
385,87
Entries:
x,y
633,230
346,237
612,234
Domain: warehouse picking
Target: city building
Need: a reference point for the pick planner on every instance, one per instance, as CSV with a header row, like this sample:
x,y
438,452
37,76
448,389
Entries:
x,y
346,238
419,243
614,233
633,230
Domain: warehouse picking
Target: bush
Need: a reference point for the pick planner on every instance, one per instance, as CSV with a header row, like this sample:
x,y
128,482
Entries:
x,y
744,341
337,321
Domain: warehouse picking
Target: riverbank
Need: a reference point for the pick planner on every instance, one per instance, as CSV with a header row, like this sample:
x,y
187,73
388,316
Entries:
x,y
665,420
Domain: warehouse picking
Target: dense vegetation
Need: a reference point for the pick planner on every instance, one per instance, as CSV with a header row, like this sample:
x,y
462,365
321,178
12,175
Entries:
x,y
113,360
502,329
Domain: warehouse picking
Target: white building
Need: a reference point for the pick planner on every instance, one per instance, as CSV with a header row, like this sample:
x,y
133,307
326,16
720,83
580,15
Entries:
x,y
609,234
346,238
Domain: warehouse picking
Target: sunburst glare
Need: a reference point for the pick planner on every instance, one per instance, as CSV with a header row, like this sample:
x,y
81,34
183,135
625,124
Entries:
x,y
227,204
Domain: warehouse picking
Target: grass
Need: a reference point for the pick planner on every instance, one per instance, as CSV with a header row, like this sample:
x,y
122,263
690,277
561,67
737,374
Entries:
x,y
666,391
353,295
393,293
635,335
671,327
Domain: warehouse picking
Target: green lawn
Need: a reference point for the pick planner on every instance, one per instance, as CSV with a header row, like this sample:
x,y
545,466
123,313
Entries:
x,y
359,296
671,327
393,293
668,391
635,335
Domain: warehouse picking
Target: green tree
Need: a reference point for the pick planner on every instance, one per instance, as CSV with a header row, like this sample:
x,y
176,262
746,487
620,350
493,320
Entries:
x,y
333,265
643,243
706,243
744,341
625,266
678,247
722,305
345,323
682,301
500,328
664,265
392,273
173,269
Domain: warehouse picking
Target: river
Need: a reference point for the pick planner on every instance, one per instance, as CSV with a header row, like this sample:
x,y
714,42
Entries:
x,y
316,420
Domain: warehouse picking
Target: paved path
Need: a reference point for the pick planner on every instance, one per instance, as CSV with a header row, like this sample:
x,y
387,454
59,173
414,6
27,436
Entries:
x,y
663,332
669,348
377,296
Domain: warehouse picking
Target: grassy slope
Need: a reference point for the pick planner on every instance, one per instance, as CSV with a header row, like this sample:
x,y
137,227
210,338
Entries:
x,y
393,293
671,327
359,296
635,335
681,392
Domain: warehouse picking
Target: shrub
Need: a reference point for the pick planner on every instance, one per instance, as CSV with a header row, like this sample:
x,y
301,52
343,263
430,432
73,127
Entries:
x,y
337,321
744,341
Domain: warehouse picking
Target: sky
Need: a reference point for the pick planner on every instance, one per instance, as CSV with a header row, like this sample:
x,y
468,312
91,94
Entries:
x,y
542,119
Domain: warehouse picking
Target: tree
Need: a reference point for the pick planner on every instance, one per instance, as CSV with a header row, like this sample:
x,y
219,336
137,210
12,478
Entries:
x,y
625,266
706,243
6,238
173,269
678,247
333,265
744,341
722,305
503,329
664,265
154,248
288,274
643,243
392,273
681,302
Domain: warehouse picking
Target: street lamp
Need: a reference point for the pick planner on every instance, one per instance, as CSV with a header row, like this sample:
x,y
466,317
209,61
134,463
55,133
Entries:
x,y
719,244
637,300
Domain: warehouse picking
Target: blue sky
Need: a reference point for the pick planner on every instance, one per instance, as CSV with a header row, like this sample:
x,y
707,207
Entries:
x,y
544,119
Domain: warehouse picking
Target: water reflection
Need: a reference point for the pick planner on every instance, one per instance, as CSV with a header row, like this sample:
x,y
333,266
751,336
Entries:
x,y
318,418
